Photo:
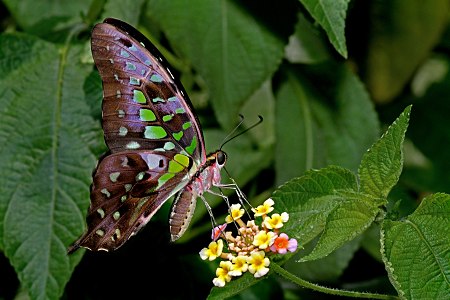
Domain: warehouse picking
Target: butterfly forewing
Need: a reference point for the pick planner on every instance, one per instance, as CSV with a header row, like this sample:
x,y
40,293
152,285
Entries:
x,y
144,107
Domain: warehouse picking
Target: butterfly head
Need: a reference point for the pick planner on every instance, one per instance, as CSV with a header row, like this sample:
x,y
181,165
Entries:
x,y
219,158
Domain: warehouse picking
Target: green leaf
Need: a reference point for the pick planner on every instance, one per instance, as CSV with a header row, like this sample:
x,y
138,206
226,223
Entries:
x,y
234,287
333,124
416,250
382,164
310,198
46,135
352,214
229,43
330,14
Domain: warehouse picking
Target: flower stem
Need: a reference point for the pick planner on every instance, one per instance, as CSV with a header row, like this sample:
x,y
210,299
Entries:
x,y
306,284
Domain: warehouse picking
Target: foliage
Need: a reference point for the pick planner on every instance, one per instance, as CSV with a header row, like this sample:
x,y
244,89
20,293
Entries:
x,y
327,76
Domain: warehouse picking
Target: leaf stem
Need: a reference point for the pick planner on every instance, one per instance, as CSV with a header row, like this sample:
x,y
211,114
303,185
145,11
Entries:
x,y
306,284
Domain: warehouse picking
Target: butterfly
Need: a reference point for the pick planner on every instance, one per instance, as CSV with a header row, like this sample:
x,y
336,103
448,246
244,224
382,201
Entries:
x,y
155,141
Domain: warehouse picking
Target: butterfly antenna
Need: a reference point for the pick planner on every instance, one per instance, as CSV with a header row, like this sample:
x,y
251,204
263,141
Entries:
x,y
228,138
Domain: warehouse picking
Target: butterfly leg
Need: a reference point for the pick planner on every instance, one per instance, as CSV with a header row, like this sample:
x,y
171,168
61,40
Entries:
x,y
209,209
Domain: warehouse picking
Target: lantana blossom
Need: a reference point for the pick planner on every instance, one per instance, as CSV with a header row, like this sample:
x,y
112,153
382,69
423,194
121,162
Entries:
x,y
249,247
239,265
236,212
264,239
223,273
213,251
264,209
282,244
276,220
258,264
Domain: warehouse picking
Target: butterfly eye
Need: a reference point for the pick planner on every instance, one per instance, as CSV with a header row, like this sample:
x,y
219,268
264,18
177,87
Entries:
x,y
221,158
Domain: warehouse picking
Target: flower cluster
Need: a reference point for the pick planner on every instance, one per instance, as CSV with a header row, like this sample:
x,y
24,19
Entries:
x,y
250,248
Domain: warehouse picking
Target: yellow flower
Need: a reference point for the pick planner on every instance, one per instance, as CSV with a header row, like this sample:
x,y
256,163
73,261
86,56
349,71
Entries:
x,y
213,251
223,273
264,239
276,221
264,209
239,265
236,212
258,264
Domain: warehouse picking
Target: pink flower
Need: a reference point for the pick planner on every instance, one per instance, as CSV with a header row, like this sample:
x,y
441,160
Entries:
x,y
282,244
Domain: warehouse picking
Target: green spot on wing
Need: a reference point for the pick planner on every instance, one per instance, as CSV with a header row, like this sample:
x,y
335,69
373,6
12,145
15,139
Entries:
x,y
175,167
134,81
169,146
157,99
186,125
167,118
139,97
101,212
113,176
164,178
133,145
106,192
123,131
178,135
180,110
130,66
156,78
182,159
124,53
140,176
147,115
154,132
191,148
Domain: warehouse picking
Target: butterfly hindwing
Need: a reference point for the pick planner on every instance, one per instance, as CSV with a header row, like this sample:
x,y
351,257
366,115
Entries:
x,y
127,189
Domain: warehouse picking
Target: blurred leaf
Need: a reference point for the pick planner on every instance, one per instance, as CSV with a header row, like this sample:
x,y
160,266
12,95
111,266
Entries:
x,y
48,16
262,103
232,49
382,165
46,134
306,45
330,14
402,33
430,134
328,268
416,250
125,10
333,124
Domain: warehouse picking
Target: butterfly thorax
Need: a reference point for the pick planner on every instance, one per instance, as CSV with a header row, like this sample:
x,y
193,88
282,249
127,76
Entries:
x,y
207,175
